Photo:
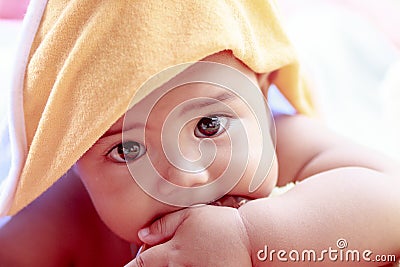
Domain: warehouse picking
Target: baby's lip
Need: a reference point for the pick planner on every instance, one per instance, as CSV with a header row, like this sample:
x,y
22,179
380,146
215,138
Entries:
x,y
230,201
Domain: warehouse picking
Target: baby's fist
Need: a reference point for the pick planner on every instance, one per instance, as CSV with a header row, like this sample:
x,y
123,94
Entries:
x,y
197,236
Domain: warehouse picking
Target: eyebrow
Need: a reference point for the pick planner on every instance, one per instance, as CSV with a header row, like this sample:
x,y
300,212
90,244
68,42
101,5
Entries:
x,y
224,97
119,130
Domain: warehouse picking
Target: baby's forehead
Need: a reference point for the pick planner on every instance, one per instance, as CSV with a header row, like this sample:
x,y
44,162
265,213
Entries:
x,y
205,92
143,104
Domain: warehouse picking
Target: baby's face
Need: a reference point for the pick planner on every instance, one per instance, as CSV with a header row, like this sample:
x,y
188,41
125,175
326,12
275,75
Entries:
x,y
202,133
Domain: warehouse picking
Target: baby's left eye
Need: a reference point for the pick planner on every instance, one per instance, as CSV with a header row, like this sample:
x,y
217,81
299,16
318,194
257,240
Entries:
x,y
126,152
210,126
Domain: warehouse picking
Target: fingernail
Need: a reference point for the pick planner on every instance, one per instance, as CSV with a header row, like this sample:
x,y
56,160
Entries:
x,y
143,233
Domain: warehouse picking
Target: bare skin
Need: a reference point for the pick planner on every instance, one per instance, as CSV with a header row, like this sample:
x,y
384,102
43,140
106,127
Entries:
x,y
84,250
311,215
348,192
61,228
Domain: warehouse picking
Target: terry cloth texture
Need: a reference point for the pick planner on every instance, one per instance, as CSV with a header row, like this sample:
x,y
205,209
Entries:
x,y
89,58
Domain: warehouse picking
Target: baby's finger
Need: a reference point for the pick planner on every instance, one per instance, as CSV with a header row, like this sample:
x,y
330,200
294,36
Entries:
x,y
163,229
153,257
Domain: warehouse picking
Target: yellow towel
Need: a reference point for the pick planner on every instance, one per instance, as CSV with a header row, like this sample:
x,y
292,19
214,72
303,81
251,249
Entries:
x,y
89,57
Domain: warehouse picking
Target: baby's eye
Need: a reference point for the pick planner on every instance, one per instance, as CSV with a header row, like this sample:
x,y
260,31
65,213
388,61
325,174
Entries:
x,y
210,126
127,151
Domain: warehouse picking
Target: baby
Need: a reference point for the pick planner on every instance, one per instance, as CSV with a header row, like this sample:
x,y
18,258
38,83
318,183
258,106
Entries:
x,y
194,136
335,200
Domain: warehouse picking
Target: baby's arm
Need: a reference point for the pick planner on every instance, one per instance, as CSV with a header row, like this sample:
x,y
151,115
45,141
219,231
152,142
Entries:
x,y
314,149
348,192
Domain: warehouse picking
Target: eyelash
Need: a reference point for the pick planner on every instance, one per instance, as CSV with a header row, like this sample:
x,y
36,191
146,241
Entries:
x,y
142,151
224,127
123,150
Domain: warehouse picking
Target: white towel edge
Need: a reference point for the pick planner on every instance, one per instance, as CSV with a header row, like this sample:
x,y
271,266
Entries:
x,y
16,123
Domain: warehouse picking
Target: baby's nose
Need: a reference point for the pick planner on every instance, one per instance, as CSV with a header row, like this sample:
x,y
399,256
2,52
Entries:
x,y
187,178
188,161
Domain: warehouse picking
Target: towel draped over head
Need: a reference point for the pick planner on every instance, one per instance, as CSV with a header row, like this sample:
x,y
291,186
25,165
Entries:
x,y
88,59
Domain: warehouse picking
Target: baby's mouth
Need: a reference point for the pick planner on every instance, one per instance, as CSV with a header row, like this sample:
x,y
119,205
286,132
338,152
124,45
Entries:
x,y
230,201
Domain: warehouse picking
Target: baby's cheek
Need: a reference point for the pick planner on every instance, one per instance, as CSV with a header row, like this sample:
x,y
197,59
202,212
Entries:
x,y
121,213
117,199
269,182
265,182
129,210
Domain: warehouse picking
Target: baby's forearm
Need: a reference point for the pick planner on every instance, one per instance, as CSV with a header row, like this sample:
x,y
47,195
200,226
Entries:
x,y
356,204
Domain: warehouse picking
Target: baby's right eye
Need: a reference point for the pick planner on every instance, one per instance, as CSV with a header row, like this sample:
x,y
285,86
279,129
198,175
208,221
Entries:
x,y
210,126
126,152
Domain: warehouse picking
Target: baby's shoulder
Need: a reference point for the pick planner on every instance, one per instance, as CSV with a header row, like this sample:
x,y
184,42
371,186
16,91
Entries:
x,y
59,228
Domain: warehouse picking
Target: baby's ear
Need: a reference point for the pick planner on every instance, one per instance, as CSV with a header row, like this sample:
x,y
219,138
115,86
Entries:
x,y
264,81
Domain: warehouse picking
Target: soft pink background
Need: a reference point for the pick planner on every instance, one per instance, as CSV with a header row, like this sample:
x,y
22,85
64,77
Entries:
x,y
13,9
350,52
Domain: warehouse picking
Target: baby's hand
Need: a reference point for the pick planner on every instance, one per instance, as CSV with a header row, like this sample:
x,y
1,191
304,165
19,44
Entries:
x,y
197,236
